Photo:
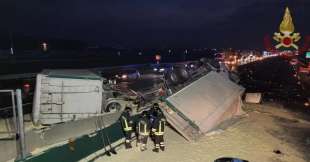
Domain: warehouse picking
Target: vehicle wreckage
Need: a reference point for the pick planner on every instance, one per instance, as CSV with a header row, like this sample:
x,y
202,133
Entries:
x,y
195,97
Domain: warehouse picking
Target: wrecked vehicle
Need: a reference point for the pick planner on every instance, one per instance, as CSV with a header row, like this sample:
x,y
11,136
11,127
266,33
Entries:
x,y
69,95
68,103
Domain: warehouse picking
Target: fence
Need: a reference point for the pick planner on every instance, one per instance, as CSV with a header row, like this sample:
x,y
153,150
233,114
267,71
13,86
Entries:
x,y
12,137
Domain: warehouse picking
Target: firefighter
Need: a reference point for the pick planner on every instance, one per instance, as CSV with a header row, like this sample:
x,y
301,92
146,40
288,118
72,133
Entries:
x,y
143,129
153,113
158,130
127,123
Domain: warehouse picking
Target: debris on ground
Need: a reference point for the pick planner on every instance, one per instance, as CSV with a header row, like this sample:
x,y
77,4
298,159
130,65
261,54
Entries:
x,y
258,137
226,159
255,98
277,152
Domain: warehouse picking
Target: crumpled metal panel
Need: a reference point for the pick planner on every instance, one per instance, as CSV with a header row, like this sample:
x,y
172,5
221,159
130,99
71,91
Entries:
x,y
204,104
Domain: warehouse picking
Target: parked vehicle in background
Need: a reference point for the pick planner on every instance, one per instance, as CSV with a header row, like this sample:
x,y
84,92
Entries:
x,y
121,74
161,68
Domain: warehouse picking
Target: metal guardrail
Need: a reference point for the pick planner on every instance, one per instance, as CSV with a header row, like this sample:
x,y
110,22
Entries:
x,y
10,107
13,105
17,76
18,121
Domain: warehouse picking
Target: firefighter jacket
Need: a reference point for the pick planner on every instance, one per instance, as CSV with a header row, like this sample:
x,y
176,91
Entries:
x,y
143,126
126,121
159,126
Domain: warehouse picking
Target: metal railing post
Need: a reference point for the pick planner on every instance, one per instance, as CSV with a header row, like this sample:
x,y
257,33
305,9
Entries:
x,y
14,111
21,130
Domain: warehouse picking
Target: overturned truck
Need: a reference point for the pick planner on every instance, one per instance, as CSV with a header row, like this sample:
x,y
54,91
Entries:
x,y
202,103
69,95
70,102
195,102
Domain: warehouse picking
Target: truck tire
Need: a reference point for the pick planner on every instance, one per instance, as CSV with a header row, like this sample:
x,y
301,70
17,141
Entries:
x,y
211,62
172,78
113,107
178,75
182,73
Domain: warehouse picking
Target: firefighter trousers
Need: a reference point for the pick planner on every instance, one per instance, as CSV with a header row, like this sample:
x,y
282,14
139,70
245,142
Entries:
x,y
159,141
143,140
127,135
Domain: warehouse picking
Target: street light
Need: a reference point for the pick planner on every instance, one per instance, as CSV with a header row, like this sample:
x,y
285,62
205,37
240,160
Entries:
x,y
44,46
12,44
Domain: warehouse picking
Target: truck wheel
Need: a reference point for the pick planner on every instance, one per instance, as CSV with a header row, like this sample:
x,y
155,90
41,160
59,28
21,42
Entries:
x,y
113,107
173,78
182,73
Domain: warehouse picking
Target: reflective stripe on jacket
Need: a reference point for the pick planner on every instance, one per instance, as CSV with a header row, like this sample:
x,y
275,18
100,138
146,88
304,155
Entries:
x,y
159,127
127,126
143,127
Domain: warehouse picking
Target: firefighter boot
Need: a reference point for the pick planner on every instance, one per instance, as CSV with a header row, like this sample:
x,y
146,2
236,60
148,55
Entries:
x,y
156,150
143,149
128,145
162,146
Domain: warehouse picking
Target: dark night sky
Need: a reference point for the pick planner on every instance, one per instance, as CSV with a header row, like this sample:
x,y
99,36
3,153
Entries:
x,y
153,23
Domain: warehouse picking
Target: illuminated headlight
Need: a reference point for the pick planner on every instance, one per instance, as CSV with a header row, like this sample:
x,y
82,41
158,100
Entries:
x,y
155,69
192,66
161,69
124,76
